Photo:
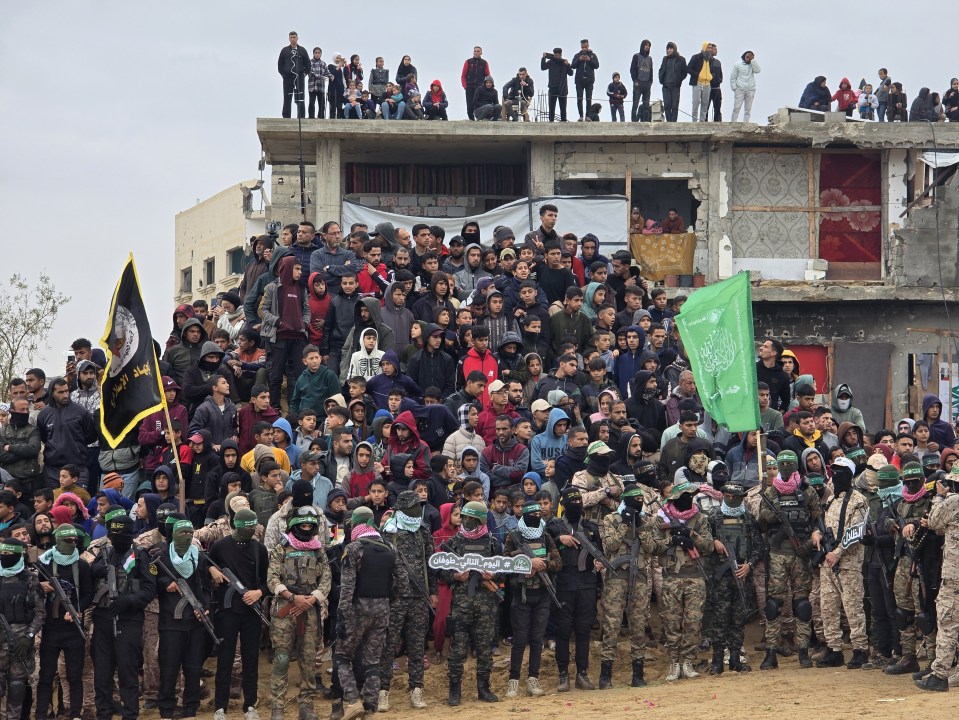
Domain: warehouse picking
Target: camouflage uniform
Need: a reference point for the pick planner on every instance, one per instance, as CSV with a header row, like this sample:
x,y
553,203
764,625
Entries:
x,y
597,501
944,518
743,541
302,572
22,603
472,616
220,528
841,586
409,612
369,575
925,546
758,574
151,635
684,589
618,537
789,568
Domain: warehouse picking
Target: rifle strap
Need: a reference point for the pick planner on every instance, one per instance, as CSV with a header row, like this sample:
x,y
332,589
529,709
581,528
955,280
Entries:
x,y
842,515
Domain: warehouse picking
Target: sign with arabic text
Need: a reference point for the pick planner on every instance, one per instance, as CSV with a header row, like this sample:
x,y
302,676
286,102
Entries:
x,y
518,564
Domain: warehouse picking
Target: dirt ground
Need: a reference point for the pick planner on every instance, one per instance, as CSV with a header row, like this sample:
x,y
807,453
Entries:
x,y
785,694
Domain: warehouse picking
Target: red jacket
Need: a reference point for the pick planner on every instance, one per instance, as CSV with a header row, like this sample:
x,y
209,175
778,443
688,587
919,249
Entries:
x,y
487,365
416,448
319,309
486,422
150,435
247,417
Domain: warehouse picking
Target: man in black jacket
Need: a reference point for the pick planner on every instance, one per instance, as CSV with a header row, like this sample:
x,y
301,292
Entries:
x,y
641,71
66,429
585,65
769,369
486,101
516,96
475,71
672,72
559,69
293,66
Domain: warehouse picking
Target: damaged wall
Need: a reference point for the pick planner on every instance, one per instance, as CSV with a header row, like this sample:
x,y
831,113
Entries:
x,y
918,246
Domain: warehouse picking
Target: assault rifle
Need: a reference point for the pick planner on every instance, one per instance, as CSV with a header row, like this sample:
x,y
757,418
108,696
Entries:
x,y
783,523
544,577
189,598
64,600
476,577
635,549
904,546
587,550
238,588
11,641
674,528
730,564
826,545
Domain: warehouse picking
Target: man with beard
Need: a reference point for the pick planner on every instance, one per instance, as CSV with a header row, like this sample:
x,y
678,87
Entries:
x,y
62,564
680,533
785,501
915,596
641,71
737,536
409,613
576,589
455,260
628,547
618,424
600,489
769,369
299,577
67,430
123,588
629,453
842,589
20,445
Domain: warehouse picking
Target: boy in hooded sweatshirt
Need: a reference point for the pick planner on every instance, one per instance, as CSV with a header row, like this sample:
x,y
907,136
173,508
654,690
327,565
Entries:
x,y
845,98
364,470
319,307
283,439
550,443
468,462
390,375
365,362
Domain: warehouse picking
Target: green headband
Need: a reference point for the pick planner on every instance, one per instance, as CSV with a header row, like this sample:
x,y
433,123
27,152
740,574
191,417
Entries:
x,y
238,523
531,507
633,492
181,525
302,520
114,514
65,531
5,547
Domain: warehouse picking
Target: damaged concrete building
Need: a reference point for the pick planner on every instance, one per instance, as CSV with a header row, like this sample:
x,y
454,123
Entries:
x,y
850,232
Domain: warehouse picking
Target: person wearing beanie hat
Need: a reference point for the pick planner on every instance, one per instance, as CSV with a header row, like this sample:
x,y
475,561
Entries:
x,y
600,488
300,580
842,590
737,538
410,608
679,534
915,597
21,589
238,617
788,566
474,607
59,634
370,574
117,644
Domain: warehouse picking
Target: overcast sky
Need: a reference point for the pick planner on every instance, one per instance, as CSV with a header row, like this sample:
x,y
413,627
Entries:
x,y
117,115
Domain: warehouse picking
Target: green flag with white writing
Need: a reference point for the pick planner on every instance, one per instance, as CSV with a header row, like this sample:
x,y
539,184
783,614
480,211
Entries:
x,y
716,327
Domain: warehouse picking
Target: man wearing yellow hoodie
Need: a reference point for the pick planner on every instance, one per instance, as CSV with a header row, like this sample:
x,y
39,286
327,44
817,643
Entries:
x,y
700,70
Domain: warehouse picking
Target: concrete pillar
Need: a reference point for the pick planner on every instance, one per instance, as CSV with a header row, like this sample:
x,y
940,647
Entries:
x,y
542,172
327,203
719,216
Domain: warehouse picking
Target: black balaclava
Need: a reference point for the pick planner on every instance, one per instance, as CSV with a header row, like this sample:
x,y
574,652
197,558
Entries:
x,y
164,512
598,464
645,473
572,500
19,420
209,365
841,479
119,529
684,502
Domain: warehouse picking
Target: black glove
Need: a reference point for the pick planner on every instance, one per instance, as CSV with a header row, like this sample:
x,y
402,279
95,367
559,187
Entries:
x,y
24,646
868,540
684,541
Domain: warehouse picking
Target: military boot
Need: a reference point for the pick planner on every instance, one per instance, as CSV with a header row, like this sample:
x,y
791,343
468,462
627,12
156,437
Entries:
x,y
563,684
306,713
336,711
736,663
354,709
638,679
383,701
483,693
906,664
583,682
770,662
834,658
804,661
276,713
716,668
456,693
859,657
919,674
933,682
606,675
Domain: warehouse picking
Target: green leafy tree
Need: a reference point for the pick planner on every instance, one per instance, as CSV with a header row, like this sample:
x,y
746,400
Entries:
x,y
27,314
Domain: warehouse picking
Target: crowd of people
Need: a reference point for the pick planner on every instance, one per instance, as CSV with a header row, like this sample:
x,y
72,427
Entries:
x,y
887,102
317,87
451,405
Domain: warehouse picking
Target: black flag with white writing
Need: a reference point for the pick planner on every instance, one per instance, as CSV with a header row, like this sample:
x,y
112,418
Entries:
x,y
130,388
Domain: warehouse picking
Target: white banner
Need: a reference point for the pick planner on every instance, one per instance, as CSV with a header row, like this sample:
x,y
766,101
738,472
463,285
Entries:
x,y
606,216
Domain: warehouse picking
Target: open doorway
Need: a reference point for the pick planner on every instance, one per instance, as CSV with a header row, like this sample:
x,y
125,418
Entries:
x,y
653,196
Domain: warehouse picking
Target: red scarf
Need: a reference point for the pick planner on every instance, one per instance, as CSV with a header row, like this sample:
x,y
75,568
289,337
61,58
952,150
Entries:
x,y
910,498
677,514
786,487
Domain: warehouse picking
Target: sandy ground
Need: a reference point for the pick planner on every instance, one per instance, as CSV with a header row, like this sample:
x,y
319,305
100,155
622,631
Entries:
x,y
787,693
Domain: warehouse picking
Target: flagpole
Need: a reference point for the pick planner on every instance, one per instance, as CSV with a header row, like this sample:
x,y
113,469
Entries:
x,y
176,456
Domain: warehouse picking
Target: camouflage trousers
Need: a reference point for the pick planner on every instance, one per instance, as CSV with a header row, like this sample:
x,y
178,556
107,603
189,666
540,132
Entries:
x,y
788,622
409,622
287,632
842,593
14,676
361,626
816,602
728,613
947,620
472,617
615,593
788,573
906,590
682,613
151,655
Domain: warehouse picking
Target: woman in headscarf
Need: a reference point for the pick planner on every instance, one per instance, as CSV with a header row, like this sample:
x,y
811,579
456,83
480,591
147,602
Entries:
x,y
950,101
922,109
